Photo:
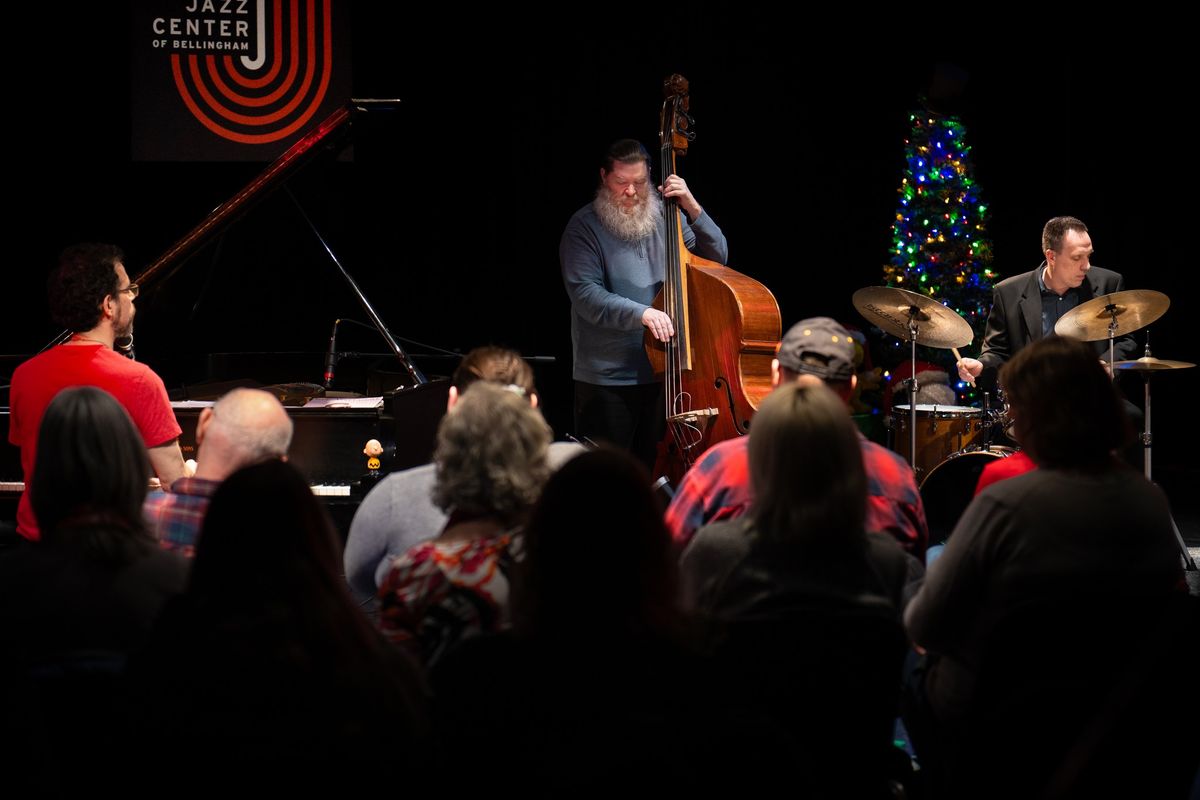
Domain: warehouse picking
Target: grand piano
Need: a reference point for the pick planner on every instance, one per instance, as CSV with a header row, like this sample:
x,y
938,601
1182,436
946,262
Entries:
x,y
375,395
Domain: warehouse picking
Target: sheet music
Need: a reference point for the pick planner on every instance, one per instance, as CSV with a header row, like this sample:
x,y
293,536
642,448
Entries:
x,y
345,402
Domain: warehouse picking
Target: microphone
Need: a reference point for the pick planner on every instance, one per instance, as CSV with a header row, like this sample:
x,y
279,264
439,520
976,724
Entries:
x,y
124,346
331,355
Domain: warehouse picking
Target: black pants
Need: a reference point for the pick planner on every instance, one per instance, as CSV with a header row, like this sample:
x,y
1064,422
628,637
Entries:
x,y
629,417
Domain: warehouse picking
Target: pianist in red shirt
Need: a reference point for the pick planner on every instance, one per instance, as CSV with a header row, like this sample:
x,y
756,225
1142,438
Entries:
x,y
91,295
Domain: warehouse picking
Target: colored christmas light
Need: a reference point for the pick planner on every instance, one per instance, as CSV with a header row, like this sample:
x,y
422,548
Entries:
x,y
939,234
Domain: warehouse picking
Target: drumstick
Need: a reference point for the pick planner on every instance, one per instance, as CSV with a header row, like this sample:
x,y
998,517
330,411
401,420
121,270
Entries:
x,y
957,356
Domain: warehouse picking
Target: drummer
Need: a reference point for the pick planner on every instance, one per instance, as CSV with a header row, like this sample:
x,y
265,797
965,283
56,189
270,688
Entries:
x,y
1026,307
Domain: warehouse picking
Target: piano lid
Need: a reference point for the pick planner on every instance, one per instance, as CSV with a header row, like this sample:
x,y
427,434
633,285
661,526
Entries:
x,y
273,283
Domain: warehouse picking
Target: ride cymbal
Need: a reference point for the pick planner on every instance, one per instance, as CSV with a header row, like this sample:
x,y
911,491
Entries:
x,y
894,310
1126,312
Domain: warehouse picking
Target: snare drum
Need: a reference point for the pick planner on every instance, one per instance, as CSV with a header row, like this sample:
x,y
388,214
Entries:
x,y
941,432
949,487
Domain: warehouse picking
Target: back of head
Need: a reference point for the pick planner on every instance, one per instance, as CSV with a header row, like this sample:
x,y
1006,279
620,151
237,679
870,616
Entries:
x,y
597,552
266,583
265,533
91,472
806,470
85,275
491,454
247,426
820,347
1067,413
494,365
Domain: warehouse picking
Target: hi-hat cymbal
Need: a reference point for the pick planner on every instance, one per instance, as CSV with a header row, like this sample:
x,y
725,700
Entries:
x,y
1152,364
1132,310
892,309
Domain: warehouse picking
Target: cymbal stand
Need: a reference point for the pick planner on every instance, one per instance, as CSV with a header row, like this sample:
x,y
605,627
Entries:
x,y
990,422
913,311
1111,308
1147,438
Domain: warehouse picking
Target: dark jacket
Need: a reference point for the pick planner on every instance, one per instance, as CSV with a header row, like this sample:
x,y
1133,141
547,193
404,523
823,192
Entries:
x,y
1016,318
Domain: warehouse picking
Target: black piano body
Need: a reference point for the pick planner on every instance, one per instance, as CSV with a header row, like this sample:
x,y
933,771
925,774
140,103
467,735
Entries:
x,y
327,445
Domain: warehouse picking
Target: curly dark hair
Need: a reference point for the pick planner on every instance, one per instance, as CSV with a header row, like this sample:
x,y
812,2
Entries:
x,y
85,275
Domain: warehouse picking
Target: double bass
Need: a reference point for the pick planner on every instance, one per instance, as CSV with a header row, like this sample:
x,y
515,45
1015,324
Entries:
x,y
717,367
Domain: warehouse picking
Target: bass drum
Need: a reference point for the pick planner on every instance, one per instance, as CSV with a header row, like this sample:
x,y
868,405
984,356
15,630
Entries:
x,y
948,488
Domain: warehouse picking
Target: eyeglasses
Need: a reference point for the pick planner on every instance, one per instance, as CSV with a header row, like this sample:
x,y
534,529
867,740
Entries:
x,y
133,290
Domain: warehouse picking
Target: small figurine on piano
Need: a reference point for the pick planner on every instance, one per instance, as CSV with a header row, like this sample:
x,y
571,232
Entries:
x,y
373,451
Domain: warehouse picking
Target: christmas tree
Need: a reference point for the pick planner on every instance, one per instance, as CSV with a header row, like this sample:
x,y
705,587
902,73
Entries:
x,y
940,246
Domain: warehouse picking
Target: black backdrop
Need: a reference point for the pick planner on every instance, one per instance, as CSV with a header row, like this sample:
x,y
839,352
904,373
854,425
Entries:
x,y
450,211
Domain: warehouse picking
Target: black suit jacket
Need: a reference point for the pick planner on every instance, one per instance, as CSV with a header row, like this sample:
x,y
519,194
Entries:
x,y
1016,318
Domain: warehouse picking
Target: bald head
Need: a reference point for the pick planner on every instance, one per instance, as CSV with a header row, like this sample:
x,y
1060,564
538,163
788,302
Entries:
x,y
244,427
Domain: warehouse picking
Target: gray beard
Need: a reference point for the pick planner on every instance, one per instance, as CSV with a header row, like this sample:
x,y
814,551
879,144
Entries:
x,y
633,225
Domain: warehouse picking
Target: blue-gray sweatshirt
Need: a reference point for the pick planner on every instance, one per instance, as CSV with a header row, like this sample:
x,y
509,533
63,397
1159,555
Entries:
x,y
611,283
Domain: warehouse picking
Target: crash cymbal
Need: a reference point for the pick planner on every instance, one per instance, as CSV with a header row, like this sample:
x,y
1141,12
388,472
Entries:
x,y
1152,364
891,310
1133,310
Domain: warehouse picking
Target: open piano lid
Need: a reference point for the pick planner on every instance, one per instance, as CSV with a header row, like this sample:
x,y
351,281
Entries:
x,y
406,420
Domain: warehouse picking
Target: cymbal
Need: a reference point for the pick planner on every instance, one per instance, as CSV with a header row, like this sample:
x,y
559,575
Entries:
x,y
1134,309
891,309
1152,364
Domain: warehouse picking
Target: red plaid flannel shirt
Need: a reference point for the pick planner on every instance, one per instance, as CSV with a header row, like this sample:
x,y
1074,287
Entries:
x,y
717,487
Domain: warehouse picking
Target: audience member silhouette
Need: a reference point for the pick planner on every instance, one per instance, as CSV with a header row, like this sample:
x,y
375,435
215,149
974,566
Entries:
x,y
244,427
1052,601
596,688
265,671
75,604
805,603
718,486
803,529
97,580
491,462
399,512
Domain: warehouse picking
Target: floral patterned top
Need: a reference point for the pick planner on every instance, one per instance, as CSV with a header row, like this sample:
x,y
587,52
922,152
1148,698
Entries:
x,y
438,593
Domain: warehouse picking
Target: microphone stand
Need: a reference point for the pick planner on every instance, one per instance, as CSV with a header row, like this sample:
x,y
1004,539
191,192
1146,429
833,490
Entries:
x,y
331,357
414,372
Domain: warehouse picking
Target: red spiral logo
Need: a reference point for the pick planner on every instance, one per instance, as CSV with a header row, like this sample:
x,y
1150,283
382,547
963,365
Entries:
x,y
268,97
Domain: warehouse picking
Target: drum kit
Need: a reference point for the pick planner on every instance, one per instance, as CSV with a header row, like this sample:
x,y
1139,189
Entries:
x,y
918,319
950,445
